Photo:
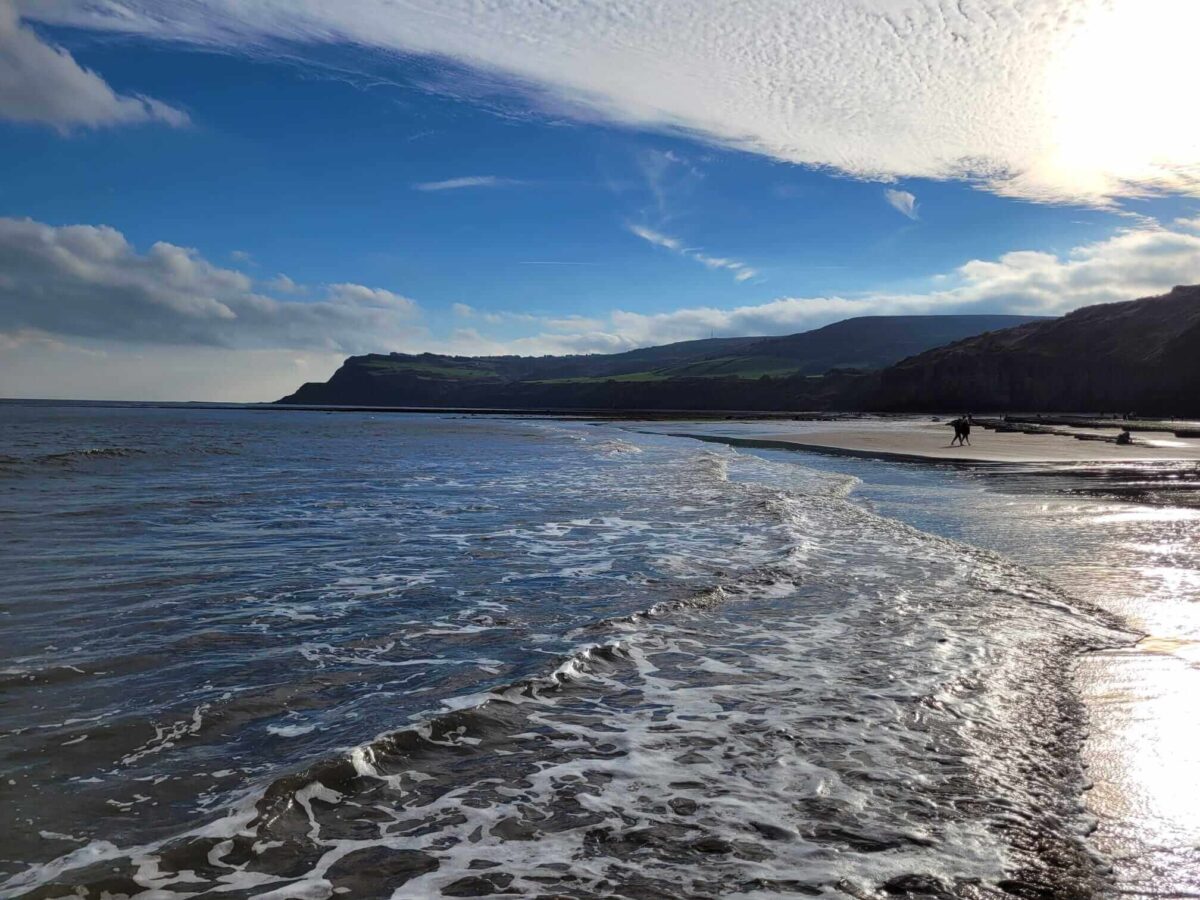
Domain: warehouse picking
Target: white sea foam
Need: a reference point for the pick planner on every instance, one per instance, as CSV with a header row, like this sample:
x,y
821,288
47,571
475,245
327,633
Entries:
x,y
683,671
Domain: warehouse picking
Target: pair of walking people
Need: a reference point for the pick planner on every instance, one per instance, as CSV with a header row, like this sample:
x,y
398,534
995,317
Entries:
x,y
962,430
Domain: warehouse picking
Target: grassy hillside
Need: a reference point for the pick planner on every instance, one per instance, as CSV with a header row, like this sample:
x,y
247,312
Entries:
x,y
870,342
750,372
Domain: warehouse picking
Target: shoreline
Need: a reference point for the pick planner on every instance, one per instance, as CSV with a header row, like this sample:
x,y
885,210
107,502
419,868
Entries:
x,y
1128,762
784,443
928,442
1138,745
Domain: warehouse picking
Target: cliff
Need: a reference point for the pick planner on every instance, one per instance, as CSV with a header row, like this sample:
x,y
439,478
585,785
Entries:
x,y
821,369
1137,356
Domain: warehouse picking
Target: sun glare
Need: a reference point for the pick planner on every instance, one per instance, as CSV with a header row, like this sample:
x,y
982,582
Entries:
x,y
1121,99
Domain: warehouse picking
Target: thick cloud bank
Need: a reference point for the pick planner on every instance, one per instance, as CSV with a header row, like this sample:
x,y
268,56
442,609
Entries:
x,y
83,313
88,281
1084,100
43,84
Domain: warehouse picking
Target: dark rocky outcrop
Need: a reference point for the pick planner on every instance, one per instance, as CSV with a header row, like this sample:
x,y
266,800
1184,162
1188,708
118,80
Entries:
x,y
1137,356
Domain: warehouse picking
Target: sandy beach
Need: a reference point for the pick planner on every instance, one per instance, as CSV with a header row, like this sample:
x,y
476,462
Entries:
x,y
913,440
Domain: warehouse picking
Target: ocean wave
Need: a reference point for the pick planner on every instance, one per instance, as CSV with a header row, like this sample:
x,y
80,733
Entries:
x,y
878,707
65,459
772,688
616,447
68,458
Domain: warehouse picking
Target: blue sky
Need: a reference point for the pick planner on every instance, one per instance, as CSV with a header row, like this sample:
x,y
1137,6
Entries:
x,y
323,196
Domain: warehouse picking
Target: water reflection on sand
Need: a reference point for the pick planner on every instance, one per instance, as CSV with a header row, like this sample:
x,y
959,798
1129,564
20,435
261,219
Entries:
x,y
1144,749
1126,539
1129,543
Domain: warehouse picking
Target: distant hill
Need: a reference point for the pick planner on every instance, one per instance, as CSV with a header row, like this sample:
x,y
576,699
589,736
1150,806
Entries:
x,y
718,373
1137,356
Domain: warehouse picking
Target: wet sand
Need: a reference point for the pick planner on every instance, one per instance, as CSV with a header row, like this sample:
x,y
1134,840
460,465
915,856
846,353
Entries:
x,y
1143,745
909,440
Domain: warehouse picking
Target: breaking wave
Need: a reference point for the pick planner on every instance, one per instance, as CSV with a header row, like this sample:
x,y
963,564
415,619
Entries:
x,y
861,707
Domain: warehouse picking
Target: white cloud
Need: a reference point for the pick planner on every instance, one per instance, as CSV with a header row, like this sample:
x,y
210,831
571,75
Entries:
x,y
1137,262
573,324
902,201
82,311
362,297
466,311
1046,99
43,84
469,181
89,282
657,238
741,271
471,342
281,284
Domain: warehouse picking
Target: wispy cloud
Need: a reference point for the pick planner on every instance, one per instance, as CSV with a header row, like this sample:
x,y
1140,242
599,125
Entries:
x,y
871,89
467,181
903,202
739,269
657,238
1136,262
667,174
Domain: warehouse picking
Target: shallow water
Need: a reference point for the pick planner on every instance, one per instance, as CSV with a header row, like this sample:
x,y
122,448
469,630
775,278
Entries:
x,y
1121,538
325,654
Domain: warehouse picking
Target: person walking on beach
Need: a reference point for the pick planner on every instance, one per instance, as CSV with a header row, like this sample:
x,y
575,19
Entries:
x,y
962,431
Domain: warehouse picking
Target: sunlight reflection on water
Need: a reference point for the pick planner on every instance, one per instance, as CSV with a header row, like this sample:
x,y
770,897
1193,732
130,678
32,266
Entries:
x,y
1127,540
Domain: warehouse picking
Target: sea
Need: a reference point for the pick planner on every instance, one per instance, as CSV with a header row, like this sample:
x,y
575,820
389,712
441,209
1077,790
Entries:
x,y
314,654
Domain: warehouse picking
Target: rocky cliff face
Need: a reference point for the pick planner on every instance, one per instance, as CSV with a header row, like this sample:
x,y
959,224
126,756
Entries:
x,y
1138,356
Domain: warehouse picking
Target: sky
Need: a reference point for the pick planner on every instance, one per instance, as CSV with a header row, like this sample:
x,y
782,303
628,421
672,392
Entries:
x,y
222,199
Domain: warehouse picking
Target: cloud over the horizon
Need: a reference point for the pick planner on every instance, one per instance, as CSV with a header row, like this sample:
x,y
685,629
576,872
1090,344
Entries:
x,y
86,281
1082,100
43,84
1136,262
83,294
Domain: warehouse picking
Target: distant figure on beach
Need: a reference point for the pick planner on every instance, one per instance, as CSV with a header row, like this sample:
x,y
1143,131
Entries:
x,y
962,430
1124,437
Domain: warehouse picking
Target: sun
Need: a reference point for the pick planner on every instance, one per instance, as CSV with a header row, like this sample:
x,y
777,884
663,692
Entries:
x,y
1120,99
